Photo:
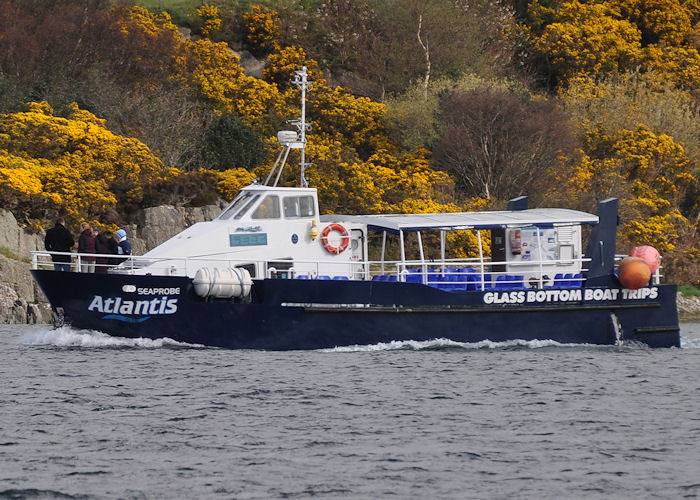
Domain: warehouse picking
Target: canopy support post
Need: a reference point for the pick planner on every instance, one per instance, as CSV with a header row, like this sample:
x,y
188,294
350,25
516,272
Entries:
x,y
403,252
481,258
539,256
442,249
383,250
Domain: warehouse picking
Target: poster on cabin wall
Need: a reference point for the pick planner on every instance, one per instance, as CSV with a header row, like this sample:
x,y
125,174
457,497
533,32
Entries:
x,y
532,247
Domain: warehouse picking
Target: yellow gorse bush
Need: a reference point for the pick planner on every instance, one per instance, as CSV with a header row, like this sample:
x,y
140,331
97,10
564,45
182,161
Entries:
x,y
262,29
210,16
76,163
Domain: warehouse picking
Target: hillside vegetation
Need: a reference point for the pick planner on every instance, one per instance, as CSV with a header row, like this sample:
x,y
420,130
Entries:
x,y
416,106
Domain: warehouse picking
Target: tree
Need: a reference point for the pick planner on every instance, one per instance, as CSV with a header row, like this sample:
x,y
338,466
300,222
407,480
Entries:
x,y
231,143
497,145
624,101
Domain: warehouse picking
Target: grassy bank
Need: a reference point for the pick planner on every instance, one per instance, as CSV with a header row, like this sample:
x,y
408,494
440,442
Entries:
x,y
188,5
689,290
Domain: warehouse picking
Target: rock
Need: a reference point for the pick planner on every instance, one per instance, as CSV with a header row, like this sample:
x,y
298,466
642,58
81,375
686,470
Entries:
x,y
203,214
16,274
21,300
158,224
33,314
45,314
15,239
8,231
688,306
13,309
251,65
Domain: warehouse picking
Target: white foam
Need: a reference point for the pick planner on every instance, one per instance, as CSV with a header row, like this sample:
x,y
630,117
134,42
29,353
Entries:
x,y
69,337
443,343
690,342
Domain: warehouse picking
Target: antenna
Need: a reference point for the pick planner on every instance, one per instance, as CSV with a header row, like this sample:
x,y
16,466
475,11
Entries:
x,y
290,139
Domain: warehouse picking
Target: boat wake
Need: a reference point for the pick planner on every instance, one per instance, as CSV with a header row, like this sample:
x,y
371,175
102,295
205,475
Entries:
x,y
690,342
444,344
66,336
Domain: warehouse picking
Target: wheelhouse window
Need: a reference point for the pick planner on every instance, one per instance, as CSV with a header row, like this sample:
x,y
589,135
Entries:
x,y
298,206
244,209
269,208
239,206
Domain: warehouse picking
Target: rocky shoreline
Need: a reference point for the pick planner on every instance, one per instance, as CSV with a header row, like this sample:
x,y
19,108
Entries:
x,y
21,301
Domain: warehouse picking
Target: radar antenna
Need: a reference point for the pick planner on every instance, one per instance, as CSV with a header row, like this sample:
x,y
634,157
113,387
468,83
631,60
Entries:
x,y
291,139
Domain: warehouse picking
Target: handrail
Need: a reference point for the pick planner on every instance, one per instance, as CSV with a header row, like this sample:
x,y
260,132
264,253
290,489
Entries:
x,y
134,260
359,270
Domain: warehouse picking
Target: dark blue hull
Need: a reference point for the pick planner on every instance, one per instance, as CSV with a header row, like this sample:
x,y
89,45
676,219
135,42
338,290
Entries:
x,y
312,314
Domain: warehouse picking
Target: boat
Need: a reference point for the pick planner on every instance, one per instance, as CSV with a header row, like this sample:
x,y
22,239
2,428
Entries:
x,y
270,272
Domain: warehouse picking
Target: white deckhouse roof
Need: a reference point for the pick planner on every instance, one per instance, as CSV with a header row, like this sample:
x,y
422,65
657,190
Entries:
x,y
468,220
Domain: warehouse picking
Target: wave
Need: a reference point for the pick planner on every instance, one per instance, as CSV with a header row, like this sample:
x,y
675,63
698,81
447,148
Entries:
x,y
66,336
442,343
69,337
690,342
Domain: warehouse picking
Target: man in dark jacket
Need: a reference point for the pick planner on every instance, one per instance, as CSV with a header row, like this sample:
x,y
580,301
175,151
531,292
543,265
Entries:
x,y
59,239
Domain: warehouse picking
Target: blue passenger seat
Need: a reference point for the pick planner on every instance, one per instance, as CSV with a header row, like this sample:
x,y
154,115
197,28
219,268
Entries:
x,y
567,280
414,276
558,280
488,285
468,276
517,282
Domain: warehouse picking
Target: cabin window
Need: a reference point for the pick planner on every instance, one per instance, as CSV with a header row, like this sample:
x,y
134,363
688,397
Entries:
x,y
299,206
246,206
269,208
241,200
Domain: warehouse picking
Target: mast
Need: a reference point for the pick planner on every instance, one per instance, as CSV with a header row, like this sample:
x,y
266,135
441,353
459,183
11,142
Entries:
x,y
290,139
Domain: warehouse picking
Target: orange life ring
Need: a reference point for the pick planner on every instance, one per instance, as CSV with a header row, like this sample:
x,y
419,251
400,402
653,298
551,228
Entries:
x,y
343,243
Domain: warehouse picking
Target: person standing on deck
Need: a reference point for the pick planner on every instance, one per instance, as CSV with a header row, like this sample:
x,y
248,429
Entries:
x,y
105,244
86,244
59,239
124,245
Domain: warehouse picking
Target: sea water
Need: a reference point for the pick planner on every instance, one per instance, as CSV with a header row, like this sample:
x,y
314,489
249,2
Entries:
x,y
84,415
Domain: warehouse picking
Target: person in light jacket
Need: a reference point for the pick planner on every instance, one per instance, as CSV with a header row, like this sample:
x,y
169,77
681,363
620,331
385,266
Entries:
x,y
124,245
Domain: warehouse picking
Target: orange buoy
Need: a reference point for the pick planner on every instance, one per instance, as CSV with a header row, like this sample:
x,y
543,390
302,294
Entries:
x,y
649,255
633,273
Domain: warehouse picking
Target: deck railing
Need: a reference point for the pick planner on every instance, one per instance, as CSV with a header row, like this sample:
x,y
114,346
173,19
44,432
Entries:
x,y
448,274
